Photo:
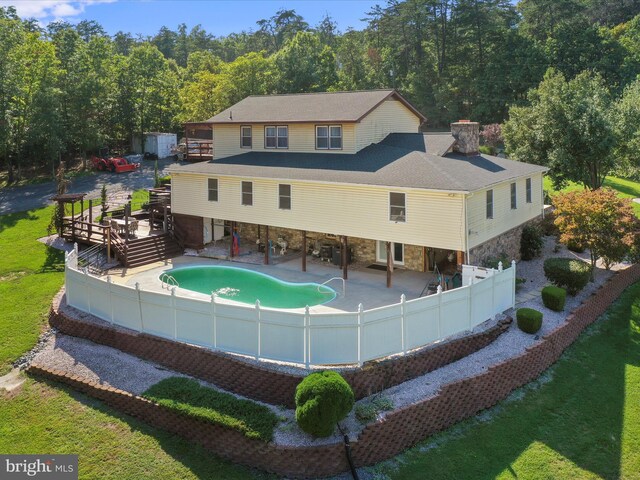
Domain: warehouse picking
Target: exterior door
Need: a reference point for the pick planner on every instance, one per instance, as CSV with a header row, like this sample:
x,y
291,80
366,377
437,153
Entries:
x,y
396,248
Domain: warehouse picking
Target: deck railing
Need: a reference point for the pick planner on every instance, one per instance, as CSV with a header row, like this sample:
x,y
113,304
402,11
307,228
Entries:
x,y
300,336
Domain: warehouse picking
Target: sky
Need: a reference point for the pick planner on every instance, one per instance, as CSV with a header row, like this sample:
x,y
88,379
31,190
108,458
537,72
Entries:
x,y
219,17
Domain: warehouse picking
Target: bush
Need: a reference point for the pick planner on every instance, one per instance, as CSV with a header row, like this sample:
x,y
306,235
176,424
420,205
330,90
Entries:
x,y
188,397
567,273
575,246
530,242
322,400
554,298
367,412
529,320
487,150
495,262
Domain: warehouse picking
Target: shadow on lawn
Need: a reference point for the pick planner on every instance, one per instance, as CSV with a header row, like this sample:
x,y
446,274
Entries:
x,y
579,413
201,462
622,187
53,262
11,219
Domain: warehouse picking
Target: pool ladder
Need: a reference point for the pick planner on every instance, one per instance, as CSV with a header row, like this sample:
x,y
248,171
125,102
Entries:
x,y
344,284
168,280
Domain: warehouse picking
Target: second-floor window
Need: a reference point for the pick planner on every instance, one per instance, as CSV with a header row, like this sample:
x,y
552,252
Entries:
x,y
514,197
397,207
276,136
245,136
528,188
329,137
247,193
284,196
489,203
213,189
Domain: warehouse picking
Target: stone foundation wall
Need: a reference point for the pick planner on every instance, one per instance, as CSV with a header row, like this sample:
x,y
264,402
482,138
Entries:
x,y
507,243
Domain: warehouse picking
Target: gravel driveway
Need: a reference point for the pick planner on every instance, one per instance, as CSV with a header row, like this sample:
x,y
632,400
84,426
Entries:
x,y
29,197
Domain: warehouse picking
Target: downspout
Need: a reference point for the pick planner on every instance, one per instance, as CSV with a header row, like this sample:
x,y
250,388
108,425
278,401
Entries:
x,y
542,193
466,229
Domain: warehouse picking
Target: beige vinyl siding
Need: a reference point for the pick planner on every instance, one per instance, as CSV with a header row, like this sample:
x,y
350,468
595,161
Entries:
x,y
504,218
391,116
433,219
302,138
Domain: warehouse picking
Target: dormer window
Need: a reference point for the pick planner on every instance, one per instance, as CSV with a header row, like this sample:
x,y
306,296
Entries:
x,y
276,136
245,136
329,137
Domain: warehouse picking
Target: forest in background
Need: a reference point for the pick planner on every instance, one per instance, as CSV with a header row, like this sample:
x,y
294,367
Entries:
x,y
67,90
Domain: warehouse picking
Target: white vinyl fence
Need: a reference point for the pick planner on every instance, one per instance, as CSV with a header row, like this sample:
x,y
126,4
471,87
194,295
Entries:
x,y
295,336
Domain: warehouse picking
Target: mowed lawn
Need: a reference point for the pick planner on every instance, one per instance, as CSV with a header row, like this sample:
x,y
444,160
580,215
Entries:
x,y
625,188
582,421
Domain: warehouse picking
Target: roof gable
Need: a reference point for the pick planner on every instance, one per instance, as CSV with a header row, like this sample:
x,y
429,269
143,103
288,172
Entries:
x,y
309,107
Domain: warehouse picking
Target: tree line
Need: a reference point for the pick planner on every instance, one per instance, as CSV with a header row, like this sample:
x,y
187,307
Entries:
x,y
66,90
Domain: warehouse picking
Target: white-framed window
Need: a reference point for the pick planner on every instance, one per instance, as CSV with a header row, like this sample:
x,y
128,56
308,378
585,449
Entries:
x,y
329,137
397,207
514,196
489,203
245,136
276,136
212,187
284,196
528,190
247,193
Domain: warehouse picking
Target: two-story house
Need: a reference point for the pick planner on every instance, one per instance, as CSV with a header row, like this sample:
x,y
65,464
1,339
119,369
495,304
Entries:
x,y
353,166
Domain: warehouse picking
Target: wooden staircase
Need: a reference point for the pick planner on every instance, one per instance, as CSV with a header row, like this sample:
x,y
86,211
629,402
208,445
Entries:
x,y
145,250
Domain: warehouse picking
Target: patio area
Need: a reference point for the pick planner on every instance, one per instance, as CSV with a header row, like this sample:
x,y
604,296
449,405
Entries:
x,y
365,285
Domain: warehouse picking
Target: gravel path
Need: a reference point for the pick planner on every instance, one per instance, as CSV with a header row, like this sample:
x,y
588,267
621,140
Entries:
x,y
113,367
29,197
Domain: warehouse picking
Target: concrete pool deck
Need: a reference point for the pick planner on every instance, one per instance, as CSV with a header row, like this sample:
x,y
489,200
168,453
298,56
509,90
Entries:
x,y
365,285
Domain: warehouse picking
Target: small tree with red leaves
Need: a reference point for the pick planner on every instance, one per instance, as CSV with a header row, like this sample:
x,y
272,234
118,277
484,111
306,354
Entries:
x,y
599,220
492,134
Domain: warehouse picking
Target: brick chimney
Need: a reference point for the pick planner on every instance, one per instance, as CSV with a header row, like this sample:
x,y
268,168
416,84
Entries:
x,y
467,135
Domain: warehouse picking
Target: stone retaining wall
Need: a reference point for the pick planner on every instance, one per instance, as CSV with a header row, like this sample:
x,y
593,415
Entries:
x,y
507,244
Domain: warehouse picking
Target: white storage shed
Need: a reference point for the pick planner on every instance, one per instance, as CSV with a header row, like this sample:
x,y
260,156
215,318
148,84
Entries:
x,y
162,144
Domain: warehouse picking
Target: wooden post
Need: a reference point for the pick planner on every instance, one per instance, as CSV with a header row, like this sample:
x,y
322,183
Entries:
x,y
425,260
266,245
81,208
73,222
304,250
233,230
344,257
186,143
164,219
127,212
108,231
459,259
389,265
90,217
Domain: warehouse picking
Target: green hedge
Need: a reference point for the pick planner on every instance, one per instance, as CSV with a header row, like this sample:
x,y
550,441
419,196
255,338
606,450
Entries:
x,y
554,298
567,273
322,400
529,320
188,397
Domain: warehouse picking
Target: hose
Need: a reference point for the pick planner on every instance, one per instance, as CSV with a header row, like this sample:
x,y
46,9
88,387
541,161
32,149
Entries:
x,y
347,447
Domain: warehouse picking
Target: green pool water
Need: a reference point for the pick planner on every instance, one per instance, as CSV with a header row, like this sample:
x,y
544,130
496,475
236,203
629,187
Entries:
x,y
247,286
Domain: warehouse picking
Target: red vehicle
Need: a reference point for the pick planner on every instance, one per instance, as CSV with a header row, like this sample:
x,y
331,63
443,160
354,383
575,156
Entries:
x,y
113,164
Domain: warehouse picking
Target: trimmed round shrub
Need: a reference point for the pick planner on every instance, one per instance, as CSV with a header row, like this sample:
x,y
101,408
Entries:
x,y
322,400
529,320
531,242
567,273
554,298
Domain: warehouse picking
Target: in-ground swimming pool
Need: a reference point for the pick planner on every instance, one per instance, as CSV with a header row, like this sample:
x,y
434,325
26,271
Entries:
x,y
247,286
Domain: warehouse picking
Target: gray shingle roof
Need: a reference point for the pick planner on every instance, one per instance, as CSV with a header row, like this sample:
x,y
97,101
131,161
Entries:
x,y
307,107
400,160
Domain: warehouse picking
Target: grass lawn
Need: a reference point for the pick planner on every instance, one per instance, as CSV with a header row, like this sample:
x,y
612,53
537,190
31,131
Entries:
x,y
625,188
580,421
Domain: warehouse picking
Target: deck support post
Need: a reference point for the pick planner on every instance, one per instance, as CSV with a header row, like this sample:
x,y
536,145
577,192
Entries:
x,y
266,245
459,259
73,222
108,232
186,143
233,231
425,260
389,264
127,212
90,217
343,251
304,250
